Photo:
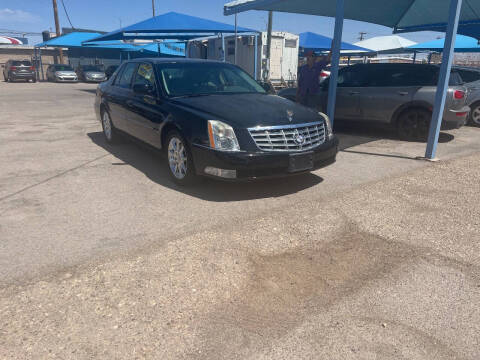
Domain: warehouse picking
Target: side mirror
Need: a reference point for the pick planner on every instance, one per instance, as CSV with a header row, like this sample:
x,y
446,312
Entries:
x,y
143,89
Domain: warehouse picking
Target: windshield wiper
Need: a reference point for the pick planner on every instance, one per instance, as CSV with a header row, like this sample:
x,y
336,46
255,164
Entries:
x,y
190,96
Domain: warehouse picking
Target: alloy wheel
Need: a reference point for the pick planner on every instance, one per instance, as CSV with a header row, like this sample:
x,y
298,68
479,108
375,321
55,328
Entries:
x,y
476,115
177,158
107,126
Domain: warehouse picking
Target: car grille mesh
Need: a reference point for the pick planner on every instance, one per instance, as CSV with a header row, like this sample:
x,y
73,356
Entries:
x,y
286,138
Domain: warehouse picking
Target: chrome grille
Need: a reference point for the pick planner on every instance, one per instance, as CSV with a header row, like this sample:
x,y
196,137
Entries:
x,y
283,138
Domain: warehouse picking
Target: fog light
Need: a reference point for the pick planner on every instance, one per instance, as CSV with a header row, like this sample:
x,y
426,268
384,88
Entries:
x,y
227,174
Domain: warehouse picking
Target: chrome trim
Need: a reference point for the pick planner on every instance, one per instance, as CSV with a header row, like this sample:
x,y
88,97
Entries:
x,y
282,138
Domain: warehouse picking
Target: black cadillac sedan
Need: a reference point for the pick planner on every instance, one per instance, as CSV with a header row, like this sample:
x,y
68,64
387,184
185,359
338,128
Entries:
x,y
212,119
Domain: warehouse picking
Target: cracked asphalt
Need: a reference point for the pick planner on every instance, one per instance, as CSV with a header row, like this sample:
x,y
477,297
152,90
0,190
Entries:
x,y
102,257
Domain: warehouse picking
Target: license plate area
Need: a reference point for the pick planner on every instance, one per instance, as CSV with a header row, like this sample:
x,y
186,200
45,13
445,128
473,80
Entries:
x,y
300,162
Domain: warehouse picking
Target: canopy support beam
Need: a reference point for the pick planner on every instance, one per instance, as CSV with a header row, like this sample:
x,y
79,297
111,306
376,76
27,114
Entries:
x,y
337,42
255,65
442,87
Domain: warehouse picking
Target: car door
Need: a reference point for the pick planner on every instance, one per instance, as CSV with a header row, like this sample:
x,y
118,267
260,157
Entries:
x,y
118,94
389,86
350,83
145,114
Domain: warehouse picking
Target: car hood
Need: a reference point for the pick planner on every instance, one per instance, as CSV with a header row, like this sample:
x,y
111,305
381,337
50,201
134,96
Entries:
x,y
249,110
65,73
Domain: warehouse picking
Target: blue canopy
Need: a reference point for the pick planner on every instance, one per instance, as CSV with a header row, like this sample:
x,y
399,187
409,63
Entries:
x,y
77,40
462,44
315,42
171,25
465,28
391,13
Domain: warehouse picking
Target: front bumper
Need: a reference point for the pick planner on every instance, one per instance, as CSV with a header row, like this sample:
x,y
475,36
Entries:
x,y
66,79
89,79
455,119
254,165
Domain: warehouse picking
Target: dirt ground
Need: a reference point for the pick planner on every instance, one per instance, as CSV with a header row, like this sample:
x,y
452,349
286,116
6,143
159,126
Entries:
x,y
102,257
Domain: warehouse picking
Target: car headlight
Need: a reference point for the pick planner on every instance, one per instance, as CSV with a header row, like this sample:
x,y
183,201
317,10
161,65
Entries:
x,y
328,124
222,136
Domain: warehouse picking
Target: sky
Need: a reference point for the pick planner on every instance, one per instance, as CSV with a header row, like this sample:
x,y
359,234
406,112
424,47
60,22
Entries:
x,y
107,15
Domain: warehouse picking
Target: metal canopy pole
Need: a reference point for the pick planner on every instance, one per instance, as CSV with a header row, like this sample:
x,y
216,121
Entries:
x,y
414,57
337,41
442,87
236,32
255,64
223,48
269,43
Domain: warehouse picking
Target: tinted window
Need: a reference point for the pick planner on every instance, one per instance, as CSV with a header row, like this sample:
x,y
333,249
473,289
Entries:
x,y
92,68
469,76
62,68
124,79
183,79
145,75
352,77
400,76
21,63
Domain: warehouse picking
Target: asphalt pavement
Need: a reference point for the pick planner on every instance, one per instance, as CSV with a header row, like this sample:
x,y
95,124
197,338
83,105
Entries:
x,y
102,256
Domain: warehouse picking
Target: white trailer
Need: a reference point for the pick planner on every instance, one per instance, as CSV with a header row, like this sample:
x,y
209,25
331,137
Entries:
x,y
284,54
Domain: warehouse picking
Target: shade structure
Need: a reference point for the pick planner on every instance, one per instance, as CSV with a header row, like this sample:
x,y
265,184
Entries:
x,y
315,42
83,40
462,44
171,25
469,28
391,13
382,43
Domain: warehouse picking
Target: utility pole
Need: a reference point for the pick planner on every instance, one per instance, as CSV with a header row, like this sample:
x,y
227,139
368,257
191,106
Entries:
x,y
362,35
269,41
153,7
57,28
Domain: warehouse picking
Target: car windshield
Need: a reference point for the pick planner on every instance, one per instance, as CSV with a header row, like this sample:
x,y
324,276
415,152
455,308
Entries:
x,y
196,79
63,68
92,68
21,63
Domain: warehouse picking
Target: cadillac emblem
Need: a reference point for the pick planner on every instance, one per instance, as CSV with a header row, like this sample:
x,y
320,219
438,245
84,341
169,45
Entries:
x,y
290,115
299,139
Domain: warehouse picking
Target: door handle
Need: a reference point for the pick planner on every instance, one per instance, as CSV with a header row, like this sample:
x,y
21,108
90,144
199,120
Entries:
x,y
129,103
403,93
354,92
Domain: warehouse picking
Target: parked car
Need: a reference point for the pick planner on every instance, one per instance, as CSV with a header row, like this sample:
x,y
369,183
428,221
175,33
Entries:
x,y
471,76
400,95
110,71
91,73
19,70
61,73
212,119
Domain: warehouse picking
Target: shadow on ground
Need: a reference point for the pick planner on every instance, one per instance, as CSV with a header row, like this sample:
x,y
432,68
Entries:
x,y
91,91
153,164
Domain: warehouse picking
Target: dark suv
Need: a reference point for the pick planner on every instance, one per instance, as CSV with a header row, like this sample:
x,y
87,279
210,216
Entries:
x,y
401,95
19,69
213,119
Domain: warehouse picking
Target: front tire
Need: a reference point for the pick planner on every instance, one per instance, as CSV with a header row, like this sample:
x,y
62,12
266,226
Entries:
x,y
109,131
179,159
474,117
414,124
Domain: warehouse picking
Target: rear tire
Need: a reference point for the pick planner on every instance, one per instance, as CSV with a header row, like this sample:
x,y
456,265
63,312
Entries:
x,y
414,124
180,160
109,131
474,117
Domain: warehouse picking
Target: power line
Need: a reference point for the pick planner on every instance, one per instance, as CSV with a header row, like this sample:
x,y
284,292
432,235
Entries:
x,y
66,13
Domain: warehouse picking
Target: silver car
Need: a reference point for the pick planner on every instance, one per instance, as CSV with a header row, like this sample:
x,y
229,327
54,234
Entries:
x,y
471,78
91,73
61,73
401,95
